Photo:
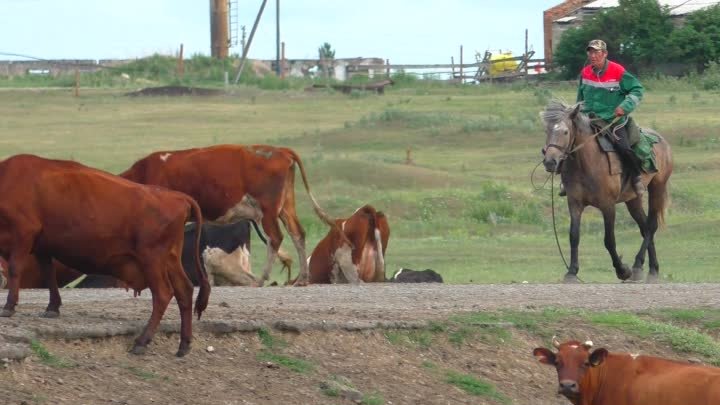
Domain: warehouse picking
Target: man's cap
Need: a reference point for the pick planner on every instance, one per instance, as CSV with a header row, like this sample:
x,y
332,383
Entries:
x,y
598,44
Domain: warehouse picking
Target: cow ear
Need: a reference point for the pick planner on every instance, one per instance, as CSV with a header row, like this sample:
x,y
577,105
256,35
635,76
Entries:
x,y
544,356
597,357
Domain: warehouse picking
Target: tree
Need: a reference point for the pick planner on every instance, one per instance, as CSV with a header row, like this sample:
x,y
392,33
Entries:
x,y
698,41
326,55
635,31
326,51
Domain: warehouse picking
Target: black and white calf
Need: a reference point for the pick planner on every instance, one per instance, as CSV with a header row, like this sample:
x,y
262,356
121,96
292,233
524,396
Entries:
x,y
404,275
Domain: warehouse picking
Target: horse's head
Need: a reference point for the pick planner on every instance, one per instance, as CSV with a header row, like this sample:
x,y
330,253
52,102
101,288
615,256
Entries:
x,y
560,133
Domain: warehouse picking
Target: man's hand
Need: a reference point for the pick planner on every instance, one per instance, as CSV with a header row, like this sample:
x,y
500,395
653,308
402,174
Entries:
x,y
619,112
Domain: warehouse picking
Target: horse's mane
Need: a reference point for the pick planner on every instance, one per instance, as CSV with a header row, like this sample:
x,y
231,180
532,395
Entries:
x,y
557,111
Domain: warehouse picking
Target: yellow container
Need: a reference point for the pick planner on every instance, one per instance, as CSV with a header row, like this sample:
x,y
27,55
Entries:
x,y
503,66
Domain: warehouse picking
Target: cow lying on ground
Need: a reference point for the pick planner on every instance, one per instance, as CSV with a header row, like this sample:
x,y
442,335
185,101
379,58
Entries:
x,y
404,275
93,221
334,260
225,250
603,378
232,182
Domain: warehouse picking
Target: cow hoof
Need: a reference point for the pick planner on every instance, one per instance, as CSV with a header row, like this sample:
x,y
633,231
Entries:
x,y
301,283
138,350
50,314
571,278
6,313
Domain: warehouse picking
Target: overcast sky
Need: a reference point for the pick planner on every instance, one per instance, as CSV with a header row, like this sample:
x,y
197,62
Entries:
x,y
404,31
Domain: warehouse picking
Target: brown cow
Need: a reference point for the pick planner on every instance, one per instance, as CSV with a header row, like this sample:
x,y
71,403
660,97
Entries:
x,y
93,221
334,260
233,182
603,378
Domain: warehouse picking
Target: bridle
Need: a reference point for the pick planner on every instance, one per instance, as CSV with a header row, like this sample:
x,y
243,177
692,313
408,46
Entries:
x,y
571,145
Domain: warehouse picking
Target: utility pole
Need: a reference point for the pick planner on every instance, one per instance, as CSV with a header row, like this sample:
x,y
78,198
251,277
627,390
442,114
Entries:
x,y
277,38
247,48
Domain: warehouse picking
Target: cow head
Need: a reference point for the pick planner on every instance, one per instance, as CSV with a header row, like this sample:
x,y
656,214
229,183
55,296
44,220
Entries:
x,y
572,360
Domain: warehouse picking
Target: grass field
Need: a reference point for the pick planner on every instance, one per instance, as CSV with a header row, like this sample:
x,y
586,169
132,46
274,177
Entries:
x,y
465,208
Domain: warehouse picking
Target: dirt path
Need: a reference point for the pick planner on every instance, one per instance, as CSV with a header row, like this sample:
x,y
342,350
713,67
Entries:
x,y
340,331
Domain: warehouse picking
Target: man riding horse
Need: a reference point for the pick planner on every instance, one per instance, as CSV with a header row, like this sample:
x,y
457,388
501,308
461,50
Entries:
x,y
609,92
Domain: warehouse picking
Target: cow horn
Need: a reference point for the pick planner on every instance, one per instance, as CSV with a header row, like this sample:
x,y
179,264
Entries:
x,y
555,342
588,344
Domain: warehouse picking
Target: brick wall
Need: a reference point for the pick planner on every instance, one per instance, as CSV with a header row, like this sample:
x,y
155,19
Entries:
x,y
551,14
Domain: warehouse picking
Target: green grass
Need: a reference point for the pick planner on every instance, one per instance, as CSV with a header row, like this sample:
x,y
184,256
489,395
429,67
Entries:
x,y
683,340
372,399
47,358
138,372
465,207
296,365
474,386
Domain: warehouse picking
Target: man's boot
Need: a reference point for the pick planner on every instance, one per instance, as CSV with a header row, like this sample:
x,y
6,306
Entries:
x,y
630,161
562,192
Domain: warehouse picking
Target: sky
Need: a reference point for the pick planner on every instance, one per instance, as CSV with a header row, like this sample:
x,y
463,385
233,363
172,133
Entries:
x,y
404,31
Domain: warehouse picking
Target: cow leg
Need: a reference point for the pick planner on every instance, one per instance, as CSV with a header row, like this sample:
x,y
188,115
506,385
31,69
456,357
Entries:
x,y
297,234
53,308
343,258
183,291
275,237
16,263
159,283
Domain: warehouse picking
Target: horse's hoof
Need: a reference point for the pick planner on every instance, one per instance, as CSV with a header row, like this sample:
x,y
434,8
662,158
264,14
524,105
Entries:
x,y
637,274
652,278
624,272
7,313
183,350
138,350
571,278
50,314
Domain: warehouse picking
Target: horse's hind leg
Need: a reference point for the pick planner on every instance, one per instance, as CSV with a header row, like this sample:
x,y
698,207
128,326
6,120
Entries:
x,y
636,210
657,201
621,270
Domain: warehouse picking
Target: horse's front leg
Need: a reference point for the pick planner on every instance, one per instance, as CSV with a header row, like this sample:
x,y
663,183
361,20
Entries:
x,y
576,210
622,271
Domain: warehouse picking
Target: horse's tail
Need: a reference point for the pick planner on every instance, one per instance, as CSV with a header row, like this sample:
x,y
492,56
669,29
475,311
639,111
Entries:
x,y
661,203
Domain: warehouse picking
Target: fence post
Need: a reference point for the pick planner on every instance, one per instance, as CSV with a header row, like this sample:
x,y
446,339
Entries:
x,y
77,82
461,64
180,64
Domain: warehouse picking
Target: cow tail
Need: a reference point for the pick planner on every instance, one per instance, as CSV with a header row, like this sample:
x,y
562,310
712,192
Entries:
x,y
380,258
319,211
203,297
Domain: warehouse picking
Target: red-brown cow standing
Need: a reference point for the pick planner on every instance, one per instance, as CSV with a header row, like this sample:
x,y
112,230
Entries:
x,y
603,378
94,221
334,260
232,182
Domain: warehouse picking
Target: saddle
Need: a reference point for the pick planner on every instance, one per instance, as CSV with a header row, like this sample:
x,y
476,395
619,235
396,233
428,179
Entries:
x,y
641,141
